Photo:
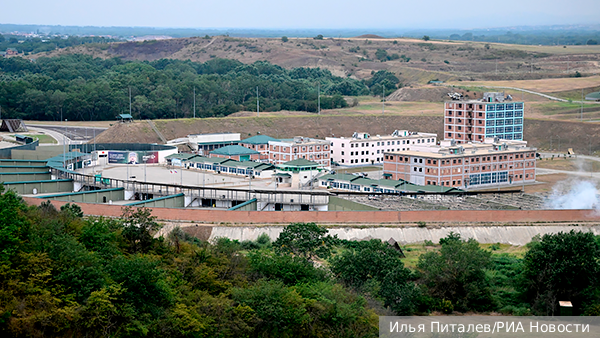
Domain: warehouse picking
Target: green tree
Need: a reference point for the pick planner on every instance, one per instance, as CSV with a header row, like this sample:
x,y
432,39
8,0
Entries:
x,y
562,266
457,273
425,38
381,55
12,223
318,37
306,240
139,227
375,267
284,38
281,309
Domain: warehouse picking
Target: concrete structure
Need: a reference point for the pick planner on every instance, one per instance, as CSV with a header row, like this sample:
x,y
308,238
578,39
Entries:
x,y
231,167
259,143
466,121
302,173
209,142
358,183
237,153
300,148
364,149
495,162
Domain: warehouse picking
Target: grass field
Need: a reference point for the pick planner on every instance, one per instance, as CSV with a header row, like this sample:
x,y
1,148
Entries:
x,y
44,139
413,251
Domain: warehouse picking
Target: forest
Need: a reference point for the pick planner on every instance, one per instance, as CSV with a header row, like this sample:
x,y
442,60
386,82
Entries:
x,y
83,88
65,275
38,45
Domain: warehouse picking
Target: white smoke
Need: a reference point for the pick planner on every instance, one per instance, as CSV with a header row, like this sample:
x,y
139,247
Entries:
x,y
581,195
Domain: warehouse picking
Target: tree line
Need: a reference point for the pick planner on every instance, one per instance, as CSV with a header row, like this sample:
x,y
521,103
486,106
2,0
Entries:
x,y
65,275
46,44
86,88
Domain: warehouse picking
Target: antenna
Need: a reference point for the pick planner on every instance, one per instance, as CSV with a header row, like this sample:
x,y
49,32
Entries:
x,y
257,103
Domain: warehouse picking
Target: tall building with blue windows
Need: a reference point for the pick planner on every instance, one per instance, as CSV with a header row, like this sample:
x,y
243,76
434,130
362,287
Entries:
x,y
494,116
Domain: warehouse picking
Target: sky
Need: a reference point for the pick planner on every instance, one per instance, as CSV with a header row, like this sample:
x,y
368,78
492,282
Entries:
x,y
303,14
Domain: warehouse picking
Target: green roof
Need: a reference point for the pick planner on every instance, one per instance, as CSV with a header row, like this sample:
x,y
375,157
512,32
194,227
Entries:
x,y
234,150
593,96
258,139
300,163
183,156
125,116
393,184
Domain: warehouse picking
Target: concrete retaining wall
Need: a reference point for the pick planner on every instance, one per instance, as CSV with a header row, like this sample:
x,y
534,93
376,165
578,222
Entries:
x,y
514,235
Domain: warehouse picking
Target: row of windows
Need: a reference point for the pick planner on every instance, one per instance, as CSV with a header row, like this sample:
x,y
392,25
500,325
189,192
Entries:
x,y
502,106
501,115
446,183
383,143
502,122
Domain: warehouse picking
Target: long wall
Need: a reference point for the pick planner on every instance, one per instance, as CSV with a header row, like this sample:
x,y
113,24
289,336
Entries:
x,y
513,235
349,217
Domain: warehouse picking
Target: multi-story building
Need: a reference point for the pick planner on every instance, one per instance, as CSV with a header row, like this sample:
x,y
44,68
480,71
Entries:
x,y
300,148
494,116
364,149
259,143
493,162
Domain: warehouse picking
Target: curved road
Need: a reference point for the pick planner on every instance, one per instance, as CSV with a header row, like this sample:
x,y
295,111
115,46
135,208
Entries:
x,y
550,97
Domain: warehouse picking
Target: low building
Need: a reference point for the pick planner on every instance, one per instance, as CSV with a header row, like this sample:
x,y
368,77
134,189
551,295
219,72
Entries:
x,y
179,159
359,183
12,51
302,172
209,142
232,167
595,96
491,163
306,148
259,143
364,149
236,152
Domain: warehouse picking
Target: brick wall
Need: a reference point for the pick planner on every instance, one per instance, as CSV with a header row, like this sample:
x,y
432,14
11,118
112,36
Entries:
x,y
344,217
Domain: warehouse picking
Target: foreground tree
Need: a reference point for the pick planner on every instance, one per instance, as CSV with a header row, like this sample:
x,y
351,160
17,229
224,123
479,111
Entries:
x,y
456,274
306,240
562,266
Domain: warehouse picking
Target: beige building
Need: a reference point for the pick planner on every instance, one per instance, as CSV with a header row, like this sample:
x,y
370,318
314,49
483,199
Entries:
x,y
490,163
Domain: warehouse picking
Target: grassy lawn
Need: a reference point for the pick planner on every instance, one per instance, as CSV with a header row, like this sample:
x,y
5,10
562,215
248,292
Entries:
x,y
414,251
44,139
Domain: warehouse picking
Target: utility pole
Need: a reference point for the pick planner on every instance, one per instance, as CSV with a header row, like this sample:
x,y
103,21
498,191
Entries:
x,y
319,98
194,102
129,100
257,103
581,115
383,100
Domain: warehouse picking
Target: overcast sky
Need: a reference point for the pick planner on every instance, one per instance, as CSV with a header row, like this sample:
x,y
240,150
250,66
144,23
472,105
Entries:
x,y
387,14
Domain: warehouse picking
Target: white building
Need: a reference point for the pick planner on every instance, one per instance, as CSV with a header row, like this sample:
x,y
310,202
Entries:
x,y
364,149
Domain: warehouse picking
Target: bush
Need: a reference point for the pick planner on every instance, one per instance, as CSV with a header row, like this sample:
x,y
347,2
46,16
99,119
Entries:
x,y
284,38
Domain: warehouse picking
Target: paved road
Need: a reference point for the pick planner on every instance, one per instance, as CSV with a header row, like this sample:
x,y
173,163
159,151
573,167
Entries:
x,y
62,139
75,134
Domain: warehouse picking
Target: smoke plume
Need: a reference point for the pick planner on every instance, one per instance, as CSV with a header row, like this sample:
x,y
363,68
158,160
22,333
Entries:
x,y
574,195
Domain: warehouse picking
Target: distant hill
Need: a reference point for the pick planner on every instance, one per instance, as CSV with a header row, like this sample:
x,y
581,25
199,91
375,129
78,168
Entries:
x,y
413,61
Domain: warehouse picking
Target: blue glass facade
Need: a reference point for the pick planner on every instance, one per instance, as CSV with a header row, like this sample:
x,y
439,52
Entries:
x,y
504,120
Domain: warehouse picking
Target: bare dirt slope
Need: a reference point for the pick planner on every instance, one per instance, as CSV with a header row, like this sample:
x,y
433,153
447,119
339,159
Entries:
x,y
583,137
422,61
